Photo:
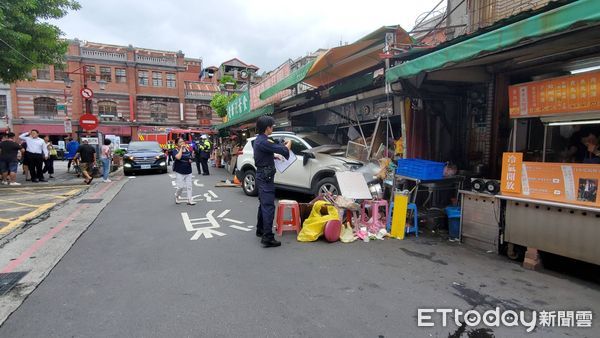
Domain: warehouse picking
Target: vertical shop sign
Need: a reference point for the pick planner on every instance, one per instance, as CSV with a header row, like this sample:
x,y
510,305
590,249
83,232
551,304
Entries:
x,y
511,172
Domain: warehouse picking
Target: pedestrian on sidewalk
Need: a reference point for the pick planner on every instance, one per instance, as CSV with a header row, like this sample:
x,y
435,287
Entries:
x,y
72,146
9,163
49,162
86,155
37,153
183,171
264,158
105,157
25,161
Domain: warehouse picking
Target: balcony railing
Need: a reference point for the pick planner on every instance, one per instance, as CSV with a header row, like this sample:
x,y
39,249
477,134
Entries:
x,y
155,60
199,94
99,54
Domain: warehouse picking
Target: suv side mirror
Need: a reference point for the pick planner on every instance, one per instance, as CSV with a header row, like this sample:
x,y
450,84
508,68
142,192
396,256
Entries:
x,y
307,156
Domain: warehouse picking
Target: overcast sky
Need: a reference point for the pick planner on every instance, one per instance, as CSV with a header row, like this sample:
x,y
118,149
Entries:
x,y
262,32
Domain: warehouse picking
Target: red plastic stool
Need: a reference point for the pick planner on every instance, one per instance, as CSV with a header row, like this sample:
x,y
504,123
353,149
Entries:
x,y
284,224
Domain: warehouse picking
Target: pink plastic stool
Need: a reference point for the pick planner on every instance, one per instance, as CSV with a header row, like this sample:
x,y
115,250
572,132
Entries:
x,y
376,223
284,224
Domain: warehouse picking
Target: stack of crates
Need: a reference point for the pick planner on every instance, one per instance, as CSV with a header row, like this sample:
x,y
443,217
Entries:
x,y
420,169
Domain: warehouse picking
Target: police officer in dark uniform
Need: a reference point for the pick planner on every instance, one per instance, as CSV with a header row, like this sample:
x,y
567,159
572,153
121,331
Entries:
x,y
264,150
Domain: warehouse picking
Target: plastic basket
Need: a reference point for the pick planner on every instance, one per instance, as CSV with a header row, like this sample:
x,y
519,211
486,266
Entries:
x,y
453,221
420,169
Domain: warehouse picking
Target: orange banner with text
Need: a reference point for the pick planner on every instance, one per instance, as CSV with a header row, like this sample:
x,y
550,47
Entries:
x,y
557,96
571,183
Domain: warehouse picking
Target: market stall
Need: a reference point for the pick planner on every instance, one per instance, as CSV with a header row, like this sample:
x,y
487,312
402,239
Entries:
x,y
553,206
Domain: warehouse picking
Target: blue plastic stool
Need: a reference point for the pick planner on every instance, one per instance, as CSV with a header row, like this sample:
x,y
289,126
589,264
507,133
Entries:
x,y
413,229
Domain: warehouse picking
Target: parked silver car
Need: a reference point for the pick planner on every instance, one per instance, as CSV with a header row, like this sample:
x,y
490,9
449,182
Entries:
x,y
313,172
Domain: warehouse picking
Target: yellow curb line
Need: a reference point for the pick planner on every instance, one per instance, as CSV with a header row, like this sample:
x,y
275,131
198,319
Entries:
x,y
14,224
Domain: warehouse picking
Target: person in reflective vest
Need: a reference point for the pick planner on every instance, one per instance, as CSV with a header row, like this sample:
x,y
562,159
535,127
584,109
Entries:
x,y
204,149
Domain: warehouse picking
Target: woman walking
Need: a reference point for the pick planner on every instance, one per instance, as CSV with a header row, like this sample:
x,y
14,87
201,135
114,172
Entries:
x,y
105,157
49,162
183,171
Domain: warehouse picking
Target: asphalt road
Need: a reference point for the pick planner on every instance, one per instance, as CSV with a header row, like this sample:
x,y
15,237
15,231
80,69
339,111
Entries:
x,y
136,272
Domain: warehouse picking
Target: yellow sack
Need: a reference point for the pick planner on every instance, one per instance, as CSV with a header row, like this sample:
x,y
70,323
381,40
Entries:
x,y
314,225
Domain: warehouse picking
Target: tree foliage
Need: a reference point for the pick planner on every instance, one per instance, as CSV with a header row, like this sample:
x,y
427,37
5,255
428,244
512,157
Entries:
x,y
228,79
219,103
26,40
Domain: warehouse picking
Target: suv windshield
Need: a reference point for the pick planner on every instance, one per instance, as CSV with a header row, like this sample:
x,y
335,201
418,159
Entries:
x,y
144,146
315,140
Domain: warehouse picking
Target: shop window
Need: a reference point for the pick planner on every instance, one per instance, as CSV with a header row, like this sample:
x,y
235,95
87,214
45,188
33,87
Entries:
x,y
44,106
3,106
158,112
171,82
156,79
105,74
43,73
90,73
203,111
120,75
143,77
107,110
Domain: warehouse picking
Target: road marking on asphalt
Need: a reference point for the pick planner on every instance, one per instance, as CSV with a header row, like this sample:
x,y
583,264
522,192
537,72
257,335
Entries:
x,y
240,228
21,219
191,225
18,203
198,184
12,209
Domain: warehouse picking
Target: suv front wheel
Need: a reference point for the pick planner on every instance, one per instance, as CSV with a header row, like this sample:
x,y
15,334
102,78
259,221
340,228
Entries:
x,y
249,183
327,185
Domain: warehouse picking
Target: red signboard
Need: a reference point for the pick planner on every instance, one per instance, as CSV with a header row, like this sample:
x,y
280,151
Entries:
x,y
88,122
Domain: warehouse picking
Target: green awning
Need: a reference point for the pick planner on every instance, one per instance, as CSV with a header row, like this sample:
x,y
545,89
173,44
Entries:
x,y
553,21
292,79
266,110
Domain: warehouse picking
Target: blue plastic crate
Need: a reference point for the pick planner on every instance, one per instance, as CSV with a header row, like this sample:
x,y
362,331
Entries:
x,y
420,169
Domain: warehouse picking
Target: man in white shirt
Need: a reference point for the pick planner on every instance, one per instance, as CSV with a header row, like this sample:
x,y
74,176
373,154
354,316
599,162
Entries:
x,y
37,153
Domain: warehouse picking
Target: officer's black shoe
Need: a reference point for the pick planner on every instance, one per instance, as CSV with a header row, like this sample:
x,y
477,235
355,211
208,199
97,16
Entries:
x,y
270,242
259,233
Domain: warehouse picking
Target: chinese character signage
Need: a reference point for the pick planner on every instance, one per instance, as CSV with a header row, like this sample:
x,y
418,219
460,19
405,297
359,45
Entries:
x,y
511,172
563,95
571,183
239,106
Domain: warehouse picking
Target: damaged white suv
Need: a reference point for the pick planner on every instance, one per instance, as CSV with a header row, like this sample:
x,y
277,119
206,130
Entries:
x,y
313,172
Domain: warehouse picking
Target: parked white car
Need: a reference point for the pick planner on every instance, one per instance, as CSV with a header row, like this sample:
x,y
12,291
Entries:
x,y
312,173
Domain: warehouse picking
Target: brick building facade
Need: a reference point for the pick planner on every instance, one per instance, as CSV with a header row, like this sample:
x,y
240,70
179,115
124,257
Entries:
x,y
143,88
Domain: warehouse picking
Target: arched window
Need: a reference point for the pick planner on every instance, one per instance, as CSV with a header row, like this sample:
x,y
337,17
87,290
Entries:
x,y
203,111
158,112
44,106
107,110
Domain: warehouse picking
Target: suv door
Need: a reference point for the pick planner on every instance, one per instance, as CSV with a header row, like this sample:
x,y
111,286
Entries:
x,y
296,175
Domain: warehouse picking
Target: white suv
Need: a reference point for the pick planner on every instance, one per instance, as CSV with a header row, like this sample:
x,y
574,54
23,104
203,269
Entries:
x,y
313,172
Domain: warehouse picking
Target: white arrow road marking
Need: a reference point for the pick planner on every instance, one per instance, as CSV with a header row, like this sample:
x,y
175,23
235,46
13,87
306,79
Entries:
x,y
198,184
173,183
224,213
208,231
239,228
172,175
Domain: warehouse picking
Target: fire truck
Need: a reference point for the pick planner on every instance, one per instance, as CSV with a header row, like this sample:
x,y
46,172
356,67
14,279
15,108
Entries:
x,y
189,135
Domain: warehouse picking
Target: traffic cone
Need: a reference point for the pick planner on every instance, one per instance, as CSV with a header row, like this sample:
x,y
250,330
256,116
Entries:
x,y
236,181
